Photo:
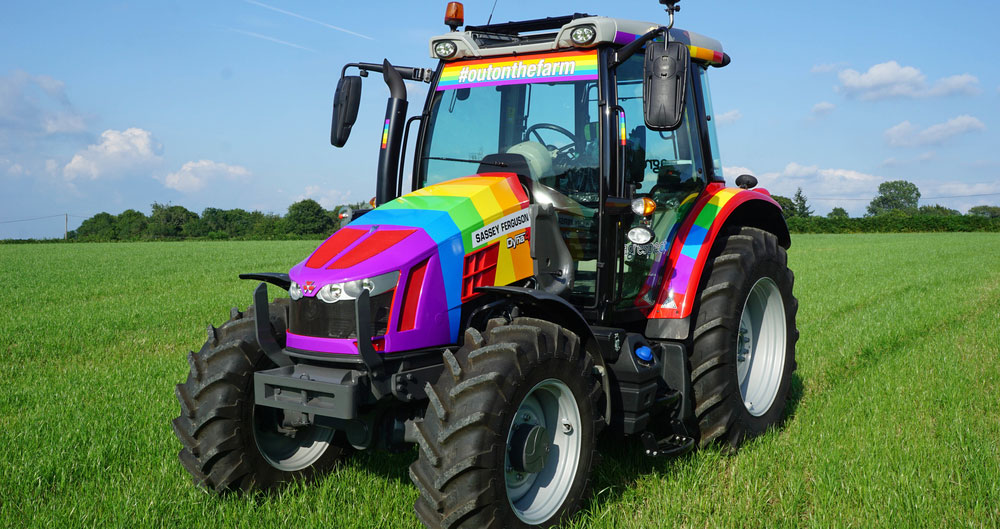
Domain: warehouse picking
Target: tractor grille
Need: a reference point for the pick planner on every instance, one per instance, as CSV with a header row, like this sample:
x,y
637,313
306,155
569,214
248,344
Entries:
x,y
312,317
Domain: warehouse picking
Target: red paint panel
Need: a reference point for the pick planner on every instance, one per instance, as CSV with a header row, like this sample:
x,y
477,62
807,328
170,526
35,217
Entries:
x,y
408,316
480,270
334,245
379,242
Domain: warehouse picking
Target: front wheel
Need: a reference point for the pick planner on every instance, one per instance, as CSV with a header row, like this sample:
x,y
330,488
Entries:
x,y
229,443
744,338
508,437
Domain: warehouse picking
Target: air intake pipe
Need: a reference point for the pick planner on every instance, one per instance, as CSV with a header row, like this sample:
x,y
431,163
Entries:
x,y
392,135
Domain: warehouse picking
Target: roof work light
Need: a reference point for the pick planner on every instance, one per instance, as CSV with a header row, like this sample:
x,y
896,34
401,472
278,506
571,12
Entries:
x,y
454,16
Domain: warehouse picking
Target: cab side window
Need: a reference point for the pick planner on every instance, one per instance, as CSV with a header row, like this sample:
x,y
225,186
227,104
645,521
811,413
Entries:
x,y
665,166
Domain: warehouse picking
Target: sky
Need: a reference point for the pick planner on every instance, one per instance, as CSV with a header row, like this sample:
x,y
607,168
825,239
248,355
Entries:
x,y
108,106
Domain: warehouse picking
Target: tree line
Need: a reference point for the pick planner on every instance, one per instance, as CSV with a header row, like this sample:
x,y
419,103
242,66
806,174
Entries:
x,y
304,219
895,209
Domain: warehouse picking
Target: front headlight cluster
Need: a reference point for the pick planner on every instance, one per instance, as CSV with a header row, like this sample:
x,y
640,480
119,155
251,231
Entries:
x,y
334,292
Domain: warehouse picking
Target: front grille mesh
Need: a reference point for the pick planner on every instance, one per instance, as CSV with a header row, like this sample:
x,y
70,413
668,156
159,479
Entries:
x,y
312,317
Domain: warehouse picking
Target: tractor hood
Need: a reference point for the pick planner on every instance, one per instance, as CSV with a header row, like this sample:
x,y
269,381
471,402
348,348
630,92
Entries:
x,y
420,256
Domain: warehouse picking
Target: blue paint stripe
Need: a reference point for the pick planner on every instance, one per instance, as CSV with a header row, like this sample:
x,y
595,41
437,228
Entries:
x,y
693,241
437,224
445,234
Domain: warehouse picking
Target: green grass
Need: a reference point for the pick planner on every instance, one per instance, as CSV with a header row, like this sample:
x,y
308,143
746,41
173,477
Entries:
x,y
895,417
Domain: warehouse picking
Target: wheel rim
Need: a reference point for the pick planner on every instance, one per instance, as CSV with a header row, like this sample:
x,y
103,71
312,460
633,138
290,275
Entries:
x,y
285,449
550,410
760,346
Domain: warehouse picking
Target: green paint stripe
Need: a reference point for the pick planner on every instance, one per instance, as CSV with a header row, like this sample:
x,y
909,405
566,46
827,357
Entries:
x,y
707,215
461,210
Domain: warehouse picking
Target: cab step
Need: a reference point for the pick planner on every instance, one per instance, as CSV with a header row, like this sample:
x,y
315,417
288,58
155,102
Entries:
x,y
672,445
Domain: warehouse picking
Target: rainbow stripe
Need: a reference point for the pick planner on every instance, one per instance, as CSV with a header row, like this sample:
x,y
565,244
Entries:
x,y
689,251
522,69
705,54
621,127
385,133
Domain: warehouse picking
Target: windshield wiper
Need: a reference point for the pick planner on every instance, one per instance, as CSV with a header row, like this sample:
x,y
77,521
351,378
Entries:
x,y
495,164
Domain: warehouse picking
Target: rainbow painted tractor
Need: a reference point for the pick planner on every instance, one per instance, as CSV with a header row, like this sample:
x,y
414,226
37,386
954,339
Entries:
x,y
569,263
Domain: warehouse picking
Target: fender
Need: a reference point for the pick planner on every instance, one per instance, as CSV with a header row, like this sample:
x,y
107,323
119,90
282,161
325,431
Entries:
x,y
553,308
718,206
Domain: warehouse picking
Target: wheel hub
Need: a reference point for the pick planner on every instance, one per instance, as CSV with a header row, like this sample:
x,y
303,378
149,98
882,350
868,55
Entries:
x,y
544,445
529,448
760,346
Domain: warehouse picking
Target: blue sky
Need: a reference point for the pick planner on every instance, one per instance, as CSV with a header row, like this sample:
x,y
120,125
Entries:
x,y
106,106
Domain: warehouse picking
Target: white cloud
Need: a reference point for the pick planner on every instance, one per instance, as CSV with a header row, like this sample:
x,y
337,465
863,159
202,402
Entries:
x,y
118,153
328,198
823,108
193,176
817,182
731,172
889,79
35,106
728,117
906,134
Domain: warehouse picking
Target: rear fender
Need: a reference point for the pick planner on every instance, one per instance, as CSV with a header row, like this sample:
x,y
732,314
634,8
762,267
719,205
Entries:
x,y
718,208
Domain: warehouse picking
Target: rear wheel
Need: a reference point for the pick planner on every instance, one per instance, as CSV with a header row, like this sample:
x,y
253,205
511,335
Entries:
x,y
744,339
508,437
228,442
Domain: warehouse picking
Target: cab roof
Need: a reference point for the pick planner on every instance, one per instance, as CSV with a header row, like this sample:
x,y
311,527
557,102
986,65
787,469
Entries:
x,y
553,33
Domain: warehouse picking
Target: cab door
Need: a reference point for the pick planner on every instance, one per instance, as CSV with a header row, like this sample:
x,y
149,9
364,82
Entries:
x,y
669,168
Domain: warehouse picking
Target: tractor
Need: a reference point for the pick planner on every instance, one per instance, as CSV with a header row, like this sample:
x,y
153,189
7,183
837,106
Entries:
x,y
569,263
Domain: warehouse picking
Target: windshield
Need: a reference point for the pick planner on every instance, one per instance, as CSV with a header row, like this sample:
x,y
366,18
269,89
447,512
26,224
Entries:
x,y
543,107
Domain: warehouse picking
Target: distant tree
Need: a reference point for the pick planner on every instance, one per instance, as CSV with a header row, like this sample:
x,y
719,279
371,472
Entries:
x,y
937,210
307,217
802,208
267,225
100,227
837,213
893,195
985,211
131,225
787,205
169,221
224,223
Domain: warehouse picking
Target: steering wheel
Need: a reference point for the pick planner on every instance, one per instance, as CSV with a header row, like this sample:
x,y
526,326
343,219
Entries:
x,y
551,126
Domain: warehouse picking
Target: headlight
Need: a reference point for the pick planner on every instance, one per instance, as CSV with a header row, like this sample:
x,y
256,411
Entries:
x,y
335,292
445,48
640,235
294,291
331,293
583,35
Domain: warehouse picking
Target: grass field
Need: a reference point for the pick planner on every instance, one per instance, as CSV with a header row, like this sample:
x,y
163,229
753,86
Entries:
x,y
895,416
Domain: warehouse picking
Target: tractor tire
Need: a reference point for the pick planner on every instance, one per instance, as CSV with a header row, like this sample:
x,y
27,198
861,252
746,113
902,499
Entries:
x,y
229,444
509,434
744,338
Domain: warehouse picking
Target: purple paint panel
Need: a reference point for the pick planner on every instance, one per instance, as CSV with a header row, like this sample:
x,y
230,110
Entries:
x,y
681,273
624,38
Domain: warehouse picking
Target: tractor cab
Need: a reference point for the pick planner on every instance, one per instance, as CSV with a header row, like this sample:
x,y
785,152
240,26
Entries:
x,y
578,107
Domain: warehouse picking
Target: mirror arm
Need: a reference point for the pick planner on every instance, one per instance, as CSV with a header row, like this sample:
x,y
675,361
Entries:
x,y
629,49
406,72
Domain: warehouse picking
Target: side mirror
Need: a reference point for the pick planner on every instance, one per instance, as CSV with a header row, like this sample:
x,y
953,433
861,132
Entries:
x,y
664,81
345,109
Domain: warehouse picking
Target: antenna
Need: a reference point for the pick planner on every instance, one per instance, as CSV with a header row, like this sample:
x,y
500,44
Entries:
x,y
495,8
672,7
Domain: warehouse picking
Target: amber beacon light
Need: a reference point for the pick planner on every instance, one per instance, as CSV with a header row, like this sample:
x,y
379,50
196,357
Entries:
x,y
454,16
